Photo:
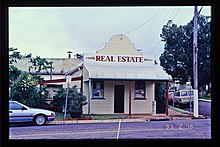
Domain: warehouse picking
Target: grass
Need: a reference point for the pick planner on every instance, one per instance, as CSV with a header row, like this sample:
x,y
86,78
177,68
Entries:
x,y
205,97
60,116
101,117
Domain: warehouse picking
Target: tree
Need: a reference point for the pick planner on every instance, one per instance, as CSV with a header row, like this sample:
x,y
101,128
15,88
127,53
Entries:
x,y
25,90
59,99
23,87
177,57
75,99
13,55
14,72
38,65
23,84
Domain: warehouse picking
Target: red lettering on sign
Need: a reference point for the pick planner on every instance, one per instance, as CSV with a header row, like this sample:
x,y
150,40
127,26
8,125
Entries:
x,y
102,58
110,59
97,58
121,59
105,58
133,59
141,59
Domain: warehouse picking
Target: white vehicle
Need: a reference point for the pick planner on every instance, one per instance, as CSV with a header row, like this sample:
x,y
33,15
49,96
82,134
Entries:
x,y
183,96
21,113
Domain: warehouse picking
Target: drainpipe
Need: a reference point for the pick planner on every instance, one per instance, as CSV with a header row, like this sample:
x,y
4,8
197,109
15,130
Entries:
x,y
81,89
89,95
130,86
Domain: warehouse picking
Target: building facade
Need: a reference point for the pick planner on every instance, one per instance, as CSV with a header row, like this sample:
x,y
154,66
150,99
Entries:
x,y
118,79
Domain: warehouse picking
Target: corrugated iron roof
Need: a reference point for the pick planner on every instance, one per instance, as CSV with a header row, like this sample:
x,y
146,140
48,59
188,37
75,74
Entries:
x,y
61,65
126,72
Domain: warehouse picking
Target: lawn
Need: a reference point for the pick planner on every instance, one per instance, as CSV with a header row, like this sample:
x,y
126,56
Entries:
x,y
101,117
205,97
60,116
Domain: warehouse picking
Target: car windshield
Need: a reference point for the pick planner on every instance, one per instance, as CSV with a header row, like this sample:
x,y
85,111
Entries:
x,y
190,93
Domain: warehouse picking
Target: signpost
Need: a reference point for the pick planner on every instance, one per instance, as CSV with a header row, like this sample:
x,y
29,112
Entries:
x,y
68,79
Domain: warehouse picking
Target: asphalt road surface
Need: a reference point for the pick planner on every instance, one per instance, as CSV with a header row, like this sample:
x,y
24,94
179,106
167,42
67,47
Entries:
x,y
176,129
204,108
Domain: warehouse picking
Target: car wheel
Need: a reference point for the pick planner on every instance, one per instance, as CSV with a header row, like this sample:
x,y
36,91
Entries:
x,y
40,120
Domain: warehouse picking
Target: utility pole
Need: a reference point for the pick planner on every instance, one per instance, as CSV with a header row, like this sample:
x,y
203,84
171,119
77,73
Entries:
x,y
195,62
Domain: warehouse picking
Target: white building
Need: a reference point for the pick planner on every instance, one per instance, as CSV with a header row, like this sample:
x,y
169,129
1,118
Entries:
x,y
119,79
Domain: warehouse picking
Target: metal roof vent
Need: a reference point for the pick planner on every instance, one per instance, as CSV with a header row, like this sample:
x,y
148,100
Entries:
x,y
69,54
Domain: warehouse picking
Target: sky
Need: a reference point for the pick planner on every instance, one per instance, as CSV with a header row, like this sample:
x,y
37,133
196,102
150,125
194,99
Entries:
x,y
50,32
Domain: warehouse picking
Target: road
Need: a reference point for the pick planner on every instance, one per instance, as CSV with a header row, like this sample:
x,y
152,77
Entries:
x,y
176,129
204,108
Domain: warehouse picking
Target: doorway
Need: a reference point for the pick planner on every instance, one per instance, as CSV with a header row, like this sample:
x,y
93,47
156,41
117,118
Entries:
x,y
119,99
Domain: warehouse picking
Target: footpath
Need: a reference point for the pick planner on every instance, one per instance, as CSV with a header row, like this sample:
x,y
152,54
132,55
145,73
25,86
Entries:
x,y
173,114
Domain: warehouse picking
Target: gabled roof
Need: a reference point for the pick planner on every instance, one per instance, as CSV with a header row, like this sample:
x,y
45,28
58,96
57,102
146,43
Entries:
x,y
60,65
79,66
119,44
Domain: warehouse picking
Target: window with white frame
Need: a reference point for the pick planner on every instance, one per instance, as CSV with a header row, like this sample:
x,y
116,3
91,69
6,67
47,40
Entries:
x,y
98,89
139,90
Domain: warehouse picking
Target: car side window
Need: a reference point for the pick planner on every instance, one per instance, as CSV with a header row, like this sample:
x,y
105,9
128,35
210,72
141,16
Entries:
x,y
184,93
15,106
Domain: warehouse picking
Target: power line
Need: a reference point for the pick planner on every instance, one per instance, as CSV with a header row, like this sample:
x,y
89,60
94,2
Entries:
x,y
149,31
154,47
150,39
176,13
160,40
142,24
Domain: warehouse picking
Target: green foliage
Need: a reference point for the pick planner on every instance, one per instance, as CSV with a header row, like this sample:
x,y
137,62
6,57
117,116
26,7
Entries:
x,y
14,72
59,98
103,117
177,58
75,99
38,65
23,84
25,90
14,55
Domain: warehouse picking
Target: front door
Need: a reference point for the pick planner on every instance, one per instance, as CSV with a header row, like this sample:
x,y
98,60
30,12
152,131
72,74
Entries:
x,y
119,99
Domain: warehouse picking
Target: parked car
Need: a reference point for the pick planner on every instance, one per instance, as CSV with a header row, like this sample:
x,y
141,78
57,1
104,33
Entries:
x,y
19,112
183,97
171,97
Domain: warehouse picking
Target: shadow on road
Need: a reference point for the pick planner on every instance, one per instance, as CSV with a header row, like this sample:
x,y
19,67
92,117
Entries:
x,y
25,124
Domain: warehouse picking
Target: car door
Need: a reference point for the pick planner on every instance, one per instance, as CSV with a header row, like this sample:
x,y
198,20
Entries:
x,y
19,113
